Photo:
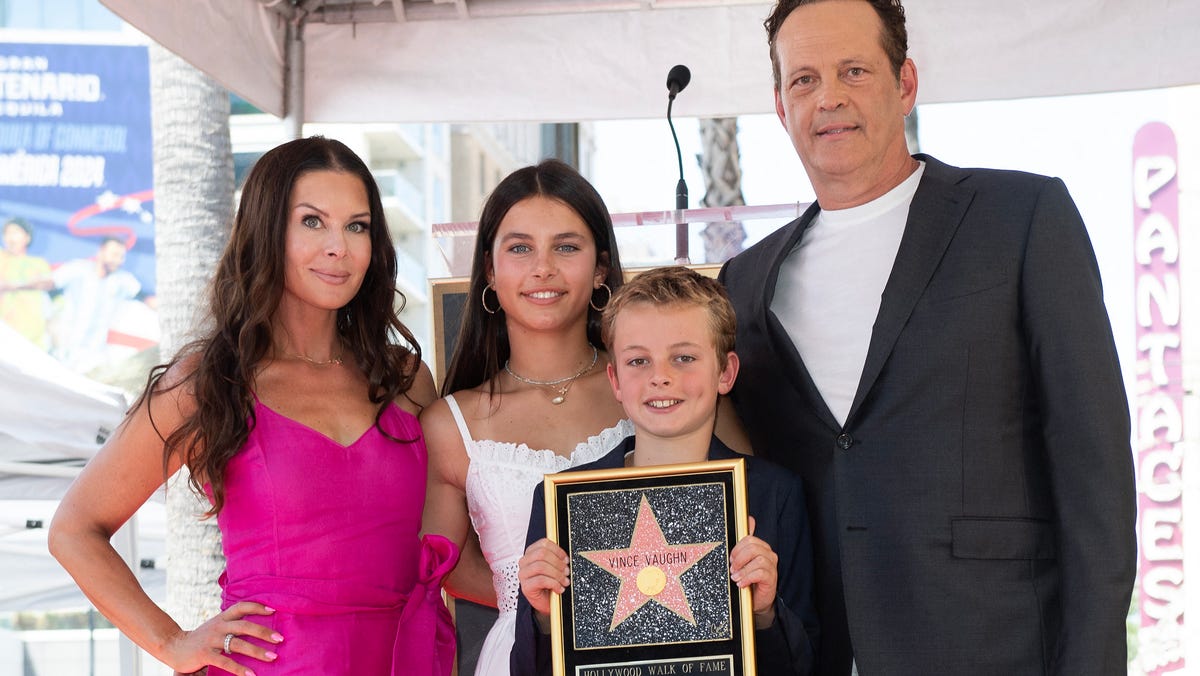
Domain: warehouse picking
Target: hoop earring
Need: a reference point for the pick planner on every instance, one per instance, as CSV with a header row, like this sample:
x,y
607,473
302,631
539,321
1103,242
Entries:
x,y
592,303
483,300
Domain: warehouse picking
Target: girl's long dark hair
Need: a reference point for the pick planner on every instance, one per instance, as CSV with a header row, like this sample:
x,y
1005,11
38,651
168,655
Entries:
x,y
246,289
482,345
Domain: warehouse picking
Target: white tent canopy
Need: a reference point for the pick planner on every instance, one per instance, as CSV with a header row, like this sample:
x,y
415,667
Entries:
x,y
52,421
568,60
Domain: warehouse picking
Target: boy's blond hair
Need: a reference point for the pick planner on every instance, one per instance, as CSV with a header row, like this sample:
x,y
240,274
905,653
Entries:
x,y
676,285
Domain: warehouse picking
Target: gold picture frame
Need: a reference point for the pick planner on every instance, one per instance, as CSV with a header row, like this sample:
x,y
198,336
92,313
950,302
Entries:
x,y
649,557
449,300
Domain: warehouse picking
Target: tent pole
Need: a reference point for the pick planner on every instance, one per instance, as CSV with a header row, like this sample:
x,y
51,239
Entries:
x,y
293,66
125,542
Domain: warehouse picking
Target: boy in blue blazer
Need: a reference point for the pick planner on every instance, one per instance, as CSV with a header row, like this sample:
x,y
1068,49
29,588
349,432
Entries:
x,y
670,335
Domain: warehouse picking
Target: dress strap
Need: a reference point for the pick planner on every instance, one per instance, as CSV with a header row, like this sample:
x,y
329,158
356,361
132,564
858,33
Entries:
x,y
459,420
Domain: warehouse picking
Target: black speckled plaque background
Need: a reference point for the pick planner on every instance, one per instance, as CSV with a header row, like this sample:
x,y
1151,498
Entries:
x,y
604,520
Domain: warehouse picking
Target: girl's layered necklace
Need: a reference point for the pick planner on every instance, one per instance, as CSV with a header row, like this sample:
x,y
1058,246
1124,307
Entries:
x,y
560,385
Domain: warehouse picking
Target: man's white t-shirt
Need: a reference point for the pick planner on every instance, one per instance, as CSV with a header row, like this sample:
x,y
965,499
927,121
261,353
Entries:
x,y
830,287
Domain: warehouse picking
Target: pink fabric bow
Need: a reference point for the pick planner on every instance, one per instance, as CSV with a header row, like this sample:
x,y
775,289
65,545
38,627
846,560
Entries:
x,y
425,643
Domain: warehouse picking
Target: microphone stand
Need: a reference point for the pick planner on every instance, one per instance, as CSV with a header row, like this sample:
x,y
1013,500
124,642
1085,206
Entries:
x,y
681,195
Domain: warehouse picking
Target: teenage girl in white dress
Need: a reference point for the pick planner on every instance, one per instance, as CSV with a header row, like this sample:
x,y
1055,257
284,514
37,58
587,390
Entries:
x,y
529,392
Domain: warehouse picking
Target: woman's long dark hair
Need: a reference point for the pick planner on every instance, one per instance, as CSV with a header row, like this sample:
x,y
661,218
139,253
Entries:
x,y
244,294
482,345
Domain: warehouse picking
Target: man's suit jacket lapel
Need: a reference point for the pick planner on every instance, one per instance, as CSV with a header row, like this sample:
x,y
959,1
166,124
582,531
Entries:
x,y
937,209
784,348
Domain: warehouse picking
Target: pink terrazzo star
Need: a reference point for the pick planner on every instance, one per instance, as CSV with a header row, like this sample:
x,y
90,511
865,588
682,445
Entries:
x,y
650,568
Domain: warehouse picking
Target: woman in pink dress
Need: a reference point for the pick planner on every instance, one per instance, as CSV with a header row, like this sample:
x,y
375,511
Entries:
x,y
296,416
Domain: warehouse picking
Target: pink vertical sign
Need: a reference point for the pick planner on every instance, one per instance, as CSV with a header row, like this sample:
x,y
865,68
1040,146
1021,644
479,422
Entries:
x,y
1159,399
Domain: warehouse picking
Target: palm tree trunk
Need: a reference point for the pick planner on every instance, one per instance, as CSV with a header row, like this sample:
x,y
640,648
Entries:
x,y
193,199
911,124
720,161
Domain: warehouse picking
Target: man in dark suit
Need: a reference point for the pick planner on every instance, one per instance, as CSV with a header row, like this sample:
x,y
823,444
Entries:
x,y
928,348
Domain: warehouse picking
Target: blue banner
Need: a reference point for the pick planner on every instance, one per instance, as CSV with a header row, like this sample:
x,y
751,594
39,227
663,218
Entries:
x,y
76,174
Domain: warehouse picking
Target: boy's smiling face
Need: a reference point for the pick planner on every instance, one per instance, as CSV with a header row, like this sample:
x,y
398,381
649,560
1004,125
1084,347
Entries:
x,y
666,372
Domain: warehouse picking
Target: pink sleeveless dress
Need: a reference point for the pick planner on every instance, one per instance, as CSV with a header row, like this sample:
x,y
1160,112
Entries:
x,y
327,535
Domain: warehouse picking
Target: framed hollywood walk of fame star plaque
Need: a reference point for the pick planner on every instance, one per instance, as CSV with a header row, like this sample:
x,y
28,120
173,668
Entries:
x,y
650,590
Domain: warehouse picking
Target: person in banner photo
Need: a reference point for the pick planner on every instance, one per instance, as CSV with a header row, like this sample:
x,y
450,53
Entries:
x,y
524,393
928,347
296,413
670,333
24,281
92,291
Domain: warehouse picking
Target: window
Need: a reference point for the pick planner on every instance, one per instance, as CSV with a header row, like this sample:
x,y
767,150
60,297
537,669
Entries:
x,y
58,15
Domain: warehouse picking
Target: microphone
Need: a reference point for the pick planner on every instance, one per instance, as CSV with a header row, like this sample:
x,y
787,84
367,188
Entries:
x,y
677,79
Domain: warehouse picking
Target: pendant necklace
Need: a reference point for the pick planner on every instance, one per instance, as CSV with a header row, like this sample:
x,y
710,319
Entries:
x,y
561,385
336,361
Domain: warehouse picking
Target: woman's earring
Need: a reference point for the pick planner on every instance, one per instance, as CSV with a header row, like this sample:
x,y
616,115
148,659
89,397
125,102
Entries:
x,y
483,300
592,301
